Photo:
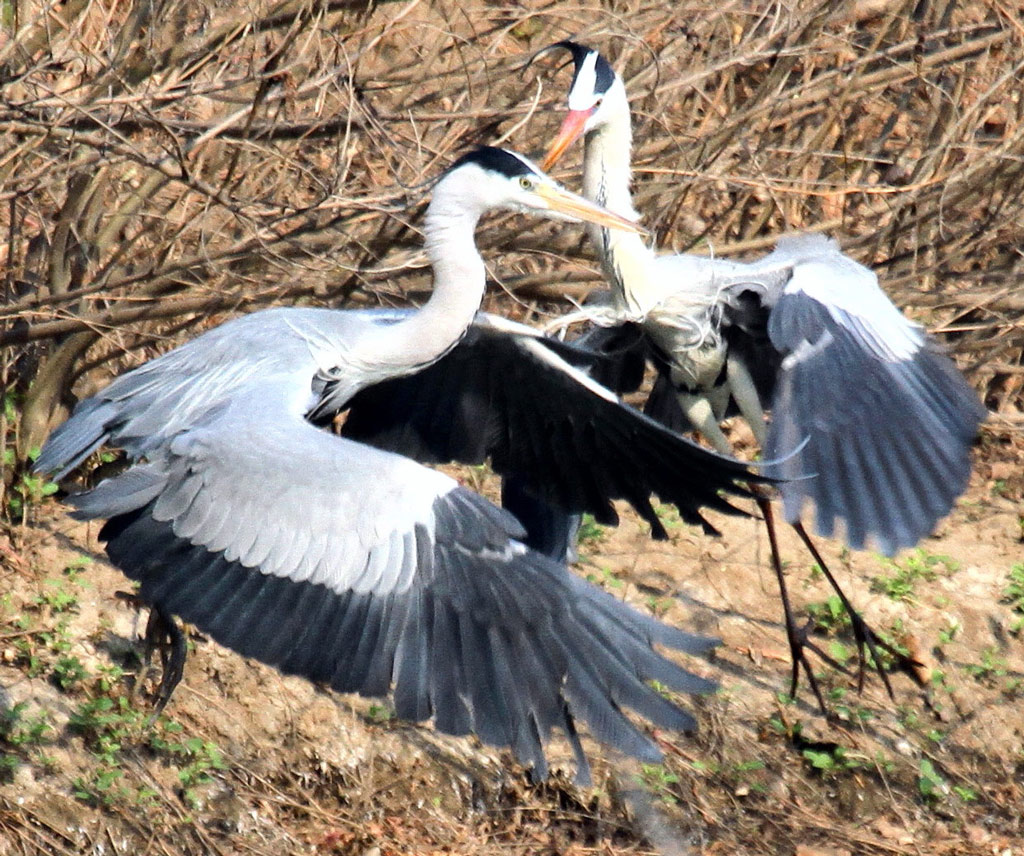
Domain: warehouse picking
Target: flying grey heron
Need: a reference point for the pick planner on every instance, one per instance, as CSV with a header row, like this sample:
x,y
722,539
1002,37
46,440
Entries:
x,y
877,413
357,567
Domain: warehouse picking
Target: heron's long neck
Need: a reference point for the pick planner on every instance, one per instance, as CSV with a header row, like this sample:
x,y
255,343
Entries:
x,y
606,178
459,282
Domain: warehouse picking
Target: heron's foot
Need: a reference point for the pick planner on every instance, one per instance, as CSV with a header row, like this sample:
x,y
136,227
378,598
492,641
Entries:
x,y
163,633
869,642
800,645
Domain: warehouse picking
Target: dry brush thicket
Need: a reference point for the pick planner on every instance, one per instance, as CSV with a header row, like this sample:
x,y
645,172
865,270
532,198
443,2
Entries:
x,y
164,163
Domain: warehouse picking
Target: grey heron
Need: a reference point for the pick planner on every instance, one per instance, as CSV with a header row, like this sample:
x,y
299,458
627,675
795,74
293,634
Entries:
x,y
879,415
358,567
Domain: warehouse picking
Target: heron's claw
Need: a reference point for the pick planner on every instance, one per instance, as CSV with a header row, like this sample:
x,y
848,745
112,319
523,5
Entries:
x,y
870,642
799,644
162,632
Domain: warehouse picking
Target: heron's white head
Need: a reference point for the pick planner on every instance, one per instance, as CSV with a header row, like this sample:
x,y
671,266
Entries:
x,y
489,178
597,95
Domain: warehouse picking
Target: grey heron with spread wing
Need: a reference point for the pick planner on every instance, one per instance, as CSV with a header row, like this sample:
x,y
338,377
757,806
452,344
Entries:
x,y
353,565
880,419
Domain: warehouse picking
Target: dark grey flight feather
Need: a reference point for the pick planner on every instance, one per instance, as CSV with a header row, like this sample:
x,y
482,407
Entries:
x,y
888,441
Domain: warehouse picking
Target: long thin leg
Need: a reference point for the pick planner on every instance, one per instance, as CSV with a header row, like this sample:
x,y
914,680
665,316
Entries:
x,y
162,632
799,644
698,410
862,632
744,393
701,415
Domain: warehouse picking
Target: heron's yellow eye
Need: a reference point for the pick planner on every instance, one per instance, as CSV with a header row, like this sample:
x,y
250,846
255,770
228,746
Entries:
x,y
526,182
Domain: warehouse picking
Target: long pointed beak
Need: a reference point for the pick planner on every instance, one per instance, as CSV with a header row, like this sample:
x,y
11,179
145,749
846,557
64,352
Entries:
x,y
569,133
572,205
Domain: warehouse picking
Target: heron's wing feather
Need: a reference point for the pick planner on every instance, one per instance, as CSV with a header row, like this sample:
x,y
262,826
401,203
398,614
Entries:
x,y
140,411
358,568
887,418
614,356
512,398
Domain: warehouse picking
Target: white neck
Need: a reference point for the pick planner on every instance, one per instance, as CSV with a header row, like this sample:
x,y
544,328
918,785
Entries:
x,y
459,283
606,180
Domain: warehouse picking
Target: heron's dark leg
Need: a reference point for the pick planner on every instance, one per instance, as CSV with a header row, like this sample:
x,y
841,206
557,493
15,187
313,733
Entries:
x,y
799,644
864,636
162,632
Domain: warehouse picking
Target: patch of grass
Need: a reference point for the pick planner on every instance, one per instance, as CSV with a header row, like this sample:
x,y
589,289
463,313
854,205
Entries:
x,y
27,490
829,615
990,667
659,781
930,784
604,577
901,582
380,713
668,515
110,726
199,759
21,735
1013,594
948,634
68,672
659,605
831,761
590,532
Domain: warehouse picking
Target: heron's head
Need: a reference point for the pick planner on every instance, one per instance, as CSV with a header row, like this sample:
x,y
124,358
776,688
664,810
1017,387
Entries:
x,y
489,178
596,96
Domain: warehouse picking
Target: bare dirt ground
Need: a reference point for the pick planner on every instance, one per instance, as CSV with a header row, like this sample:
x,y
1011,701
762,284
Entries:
x,y
246,761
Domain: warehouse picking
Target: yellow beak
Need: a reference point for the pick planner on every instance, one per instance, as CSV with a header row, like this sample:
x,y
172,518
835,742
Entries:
x,y
569,133
572,205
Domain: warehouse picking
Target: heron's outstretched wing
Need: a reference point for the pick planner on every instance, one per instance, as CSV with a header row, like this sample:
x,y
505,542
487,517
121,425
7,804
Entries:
x,y
887,417
506,394
366,571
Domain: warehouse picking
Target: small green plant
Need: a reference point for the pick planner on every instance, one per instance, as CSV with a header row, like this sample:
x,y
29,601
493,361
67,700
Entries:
x,y
111,725
203,758
948,634
68,672
27,490
829,615
668,515
991,666
604,577
56,596
839,652
380,713
18,730
659,781
930,783
590,532
659,605
831,761
901,582
100,786
965,794
20,733
1013,594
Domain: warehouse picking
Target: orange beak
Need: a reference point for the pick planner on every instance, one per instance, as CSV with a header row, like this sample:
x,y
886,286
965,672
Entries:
x,y
569,133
